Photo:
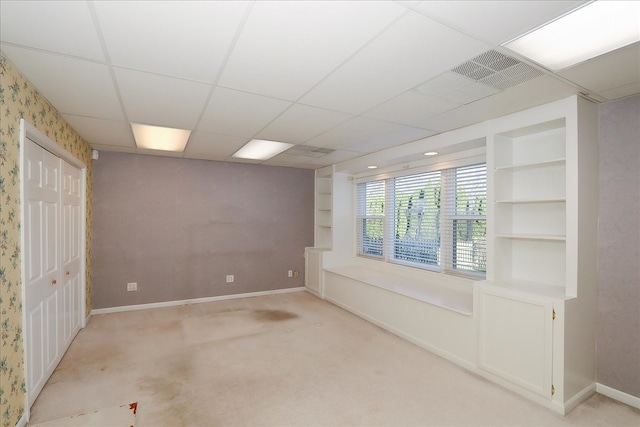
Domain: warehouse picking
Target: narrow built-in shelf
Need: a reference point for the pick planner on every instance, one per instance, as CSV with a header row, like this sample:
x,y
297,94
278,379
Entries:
x,y
523,201
519,236
544,163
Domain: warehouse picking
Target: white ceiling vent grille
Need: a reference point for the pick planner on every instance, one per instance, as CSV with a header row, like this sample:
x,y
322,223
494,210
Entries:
x,y
484,75
308,151
497,70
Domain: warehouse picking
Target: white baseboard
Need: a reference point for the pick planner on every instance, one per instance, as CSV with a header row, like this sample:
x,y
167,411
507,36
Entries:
x,y
579,398
22,422
618,395
191,301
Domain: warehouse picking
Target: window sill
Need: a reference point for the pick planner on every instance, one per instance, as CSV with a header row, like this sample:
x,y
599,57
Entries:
x,y
422,289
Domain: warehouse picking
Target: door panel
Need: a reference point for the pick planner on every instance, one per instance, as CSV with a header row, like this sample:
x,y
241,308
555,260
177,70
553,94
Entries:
x,y
43,301
71,242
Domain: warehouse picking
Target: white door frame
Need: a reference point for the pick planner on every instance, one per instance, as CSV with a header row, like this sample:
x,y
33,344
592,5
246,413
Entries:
x,y
27,130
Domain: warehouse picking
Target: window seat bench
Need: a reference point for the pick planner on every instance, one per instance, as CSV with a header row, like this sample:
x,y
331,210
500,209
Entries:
x,y
449,297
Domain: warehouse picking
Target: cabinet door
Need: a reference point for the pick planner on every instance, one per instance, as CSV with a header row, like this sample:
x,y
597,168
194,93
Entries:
x,y
313,272
516,336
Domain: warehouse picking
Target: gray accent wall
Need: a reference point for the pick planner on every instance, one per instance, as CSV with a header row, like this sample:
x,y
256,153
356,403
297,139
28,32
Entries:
x,y
619,246
177,227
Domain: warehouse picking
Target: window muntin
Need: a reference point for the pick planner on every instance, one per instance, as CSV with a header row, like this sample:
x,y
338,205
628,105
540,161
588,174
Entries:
x,y
434,220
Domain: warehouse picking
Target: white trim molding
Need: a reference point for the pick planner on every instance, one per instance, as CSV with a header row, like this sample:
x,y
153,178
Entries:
x,y
22,422
191,301
618,395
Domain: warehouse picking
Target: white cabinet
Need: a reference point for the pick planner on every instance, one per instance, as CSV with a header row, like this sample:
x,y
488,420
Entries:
x,y
314,280
517,339
542,168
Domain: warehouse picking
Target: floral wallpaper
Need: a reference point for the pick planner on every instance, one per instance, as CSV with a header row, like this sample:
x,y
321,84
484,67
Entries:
x,y
19,99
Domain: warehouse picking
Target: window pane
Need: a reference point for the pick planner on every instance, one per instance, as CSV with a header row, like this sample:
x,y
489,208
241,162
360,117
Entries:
x,y
471,190
370,221
469,225
469,245
372,232
417,218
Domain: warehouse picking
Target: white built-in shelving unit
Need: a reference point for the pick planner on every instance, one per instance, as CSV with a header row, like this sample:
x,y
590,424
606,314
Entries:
x,y
324,208
536,310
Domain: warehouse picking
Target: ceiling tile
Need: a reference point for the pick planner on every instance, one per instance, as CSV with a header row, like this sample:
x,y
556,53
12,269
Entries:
x,y
365,135
284,159
400,59
161,101
287,47
231,112
495,21
335,157
147,36
530,94
409,108
300,123
71,85
212,146
614,69
59,26
390,138
102,132
622,91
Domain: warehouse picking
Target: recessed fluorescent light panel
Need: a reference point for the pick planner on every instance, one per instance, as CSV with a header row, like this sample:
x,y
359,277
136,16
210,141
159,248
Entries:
x,y
431,153
261,149
160,138
592,30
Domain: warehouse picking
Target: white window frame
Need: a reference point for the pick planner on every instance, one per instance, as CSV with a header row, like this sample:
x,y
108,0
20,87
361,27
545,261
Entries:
x,y
447,215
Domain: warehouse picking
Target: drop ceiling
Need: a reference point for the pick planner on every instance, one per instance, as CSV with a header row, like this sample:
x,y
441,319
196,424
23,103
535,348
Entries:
x,y
340,79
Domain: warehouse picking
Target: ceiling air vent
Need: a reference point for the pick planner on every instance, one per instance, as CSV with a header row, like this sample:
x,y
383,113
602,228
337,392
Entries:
x,y
485,75
308,151
497,70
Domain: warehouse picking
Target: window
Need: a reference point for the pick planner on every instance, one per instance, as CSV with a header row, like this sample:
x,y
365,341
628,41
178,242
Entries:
x,y
370,220
434,220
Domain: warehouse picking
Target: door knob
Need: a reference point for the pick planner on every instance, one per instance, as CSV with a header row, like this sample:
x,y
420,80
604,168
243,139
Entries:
x,y
54,281
67,273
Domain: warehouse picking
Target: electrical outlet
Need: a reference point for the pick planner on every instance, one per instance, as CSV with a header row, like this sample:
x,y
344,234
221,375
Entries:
x,y
290,273
230,278
133,286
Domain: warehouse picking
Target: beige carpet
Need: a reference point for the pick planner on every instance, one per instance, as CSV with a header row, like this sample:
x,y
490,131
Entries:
x,y
284,360
114,416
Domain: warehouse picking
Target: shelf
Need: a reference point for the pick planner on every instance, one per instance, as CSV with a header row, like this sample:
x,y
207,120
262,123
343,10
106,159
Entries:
x,y
532,201
542,237
545,163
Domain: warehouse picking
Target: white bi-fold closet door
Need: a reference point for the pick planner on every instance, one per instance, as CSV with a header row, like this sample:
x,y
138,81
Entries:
x,y
53,259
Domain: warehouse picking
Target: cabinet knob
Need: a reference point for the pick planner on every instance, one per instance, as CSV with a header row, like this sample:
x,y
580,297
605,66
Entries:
x,y
54,281
67,273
